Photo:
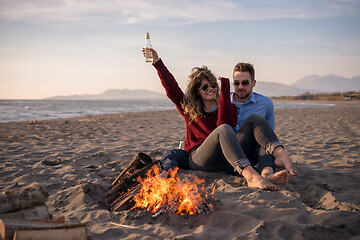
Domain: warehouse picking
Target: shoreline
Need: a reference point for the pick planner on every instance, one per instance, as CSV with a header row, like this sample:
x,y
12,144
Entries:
x,y
302,103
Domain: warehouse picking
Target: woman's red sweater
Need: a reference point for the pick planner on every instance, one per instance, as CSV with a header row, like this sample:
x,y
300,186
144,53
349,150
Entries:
x,y
197,131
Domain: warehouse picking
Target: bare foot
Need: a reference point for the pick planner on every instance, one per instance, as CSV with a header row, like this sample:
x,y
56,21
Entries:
x,y
254,180
282,160
281,177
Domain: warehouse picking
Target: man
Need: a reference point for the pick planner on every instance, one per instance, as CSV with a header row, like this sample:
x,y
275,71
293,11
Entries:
x,y
249,102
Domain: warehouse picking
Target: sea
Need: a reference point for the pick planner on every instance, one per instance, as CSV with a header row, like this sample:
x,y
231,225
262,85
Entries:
x,y
30,110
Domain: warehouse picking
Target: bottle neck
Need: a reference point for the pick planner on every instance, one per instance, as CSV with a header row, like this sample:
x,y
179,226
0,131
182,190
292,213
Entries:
x,y
147,40
147,43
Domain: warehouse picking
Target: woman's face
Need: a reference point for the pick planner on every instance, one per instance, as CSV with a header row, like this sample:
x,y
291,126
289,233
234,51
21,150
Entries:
x,y
208,90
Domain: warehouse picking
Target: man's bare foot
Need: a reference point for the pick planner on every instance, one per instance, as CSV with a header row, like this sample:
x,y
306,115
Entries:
x,y
282,160
281,177
254,180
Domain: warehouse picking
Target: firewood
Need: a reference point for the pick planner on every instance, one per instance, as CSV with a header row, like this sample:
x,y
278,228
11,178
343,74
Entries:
x,y
125,201
204,208
167,207
140,161
127,183
20,229
170,208
69,233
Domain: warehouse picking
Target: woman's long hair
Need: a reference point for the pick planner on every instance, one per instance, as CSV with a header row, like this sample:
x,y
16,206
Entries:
x,y
192,103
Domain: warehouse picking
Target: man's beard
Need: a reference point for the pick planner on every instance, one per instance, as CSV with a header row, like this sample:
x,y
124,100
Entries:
x,y
244,97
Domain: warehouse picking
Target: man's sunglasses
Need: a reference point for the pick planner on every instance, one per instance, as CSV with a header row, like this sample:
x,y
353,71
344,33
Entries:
x,y
244,83
206,86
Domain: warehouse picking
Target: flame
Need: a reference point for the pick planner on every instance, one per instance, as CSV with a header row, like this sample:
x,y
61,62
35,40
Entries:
x,y
179,196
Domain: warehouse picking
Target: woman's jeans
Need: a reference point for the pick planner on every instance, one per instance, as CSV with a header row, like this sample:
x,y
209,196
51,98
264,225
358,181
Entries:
x,y
260,159
227,151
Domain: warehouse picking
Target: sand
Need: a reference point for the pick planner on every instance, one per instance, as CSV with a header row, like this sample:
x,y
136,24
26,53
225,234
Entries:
x,y
76,159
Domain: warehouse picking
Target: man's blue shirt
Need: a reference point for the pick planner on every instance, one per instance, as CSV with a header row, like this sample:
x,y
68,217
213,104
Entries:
x,y
258,104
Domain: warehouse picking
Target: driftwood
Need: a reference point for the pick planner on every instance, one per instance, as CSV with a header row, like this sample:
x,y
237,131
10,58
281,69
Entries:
x,y
20,229
69,233
18,199
33,213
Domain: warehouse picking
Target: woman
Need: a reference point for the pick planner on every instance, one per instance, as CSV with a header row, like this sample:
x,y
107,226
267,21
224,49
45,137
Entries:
x,y
211,143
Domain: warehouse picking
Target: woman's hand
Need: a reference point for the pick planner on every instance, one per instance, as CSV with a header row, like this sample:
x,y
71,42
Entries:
x,y
223,78
154,54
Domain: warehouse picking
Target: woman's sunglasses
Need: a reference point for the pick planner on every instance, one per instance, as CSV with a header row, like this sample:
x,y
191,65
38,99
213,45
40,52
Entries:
x,y
244,83
206,86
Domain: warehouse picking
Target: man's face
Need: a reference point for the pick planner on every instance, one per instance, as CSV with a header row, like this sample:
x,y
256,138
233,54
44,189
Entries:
x,y
243,86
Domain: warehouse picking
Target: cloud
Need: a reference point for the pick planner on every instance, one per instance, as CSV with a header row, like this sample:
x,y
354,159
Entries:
x,y
171,11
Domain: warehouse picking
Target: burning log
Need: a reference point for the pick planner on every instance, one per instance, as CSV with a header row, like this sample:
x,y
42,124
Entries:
x,y
170,195
125,201
140,161
167,207
126,183
170,208
119,196
204,208
145,188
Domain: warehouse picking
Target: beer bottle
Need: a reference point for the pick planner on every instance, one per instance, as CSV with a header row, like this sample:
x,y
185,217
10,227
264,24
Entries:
x,y
148,54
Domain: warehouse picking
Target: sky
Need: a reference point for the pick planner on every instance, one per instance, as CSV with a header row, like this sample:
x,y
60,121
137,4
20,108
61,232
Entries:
x,y
66,47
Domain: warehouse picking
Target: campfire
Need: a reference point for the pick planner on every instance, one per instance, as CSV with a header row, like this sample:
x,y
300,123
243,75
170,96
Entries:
x,y
171,195
141,186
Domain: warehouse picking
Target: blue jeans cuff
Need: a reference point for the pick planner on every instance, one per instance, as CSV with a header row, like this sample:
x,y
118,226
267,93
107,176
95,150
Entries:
x,y
271,147
241,164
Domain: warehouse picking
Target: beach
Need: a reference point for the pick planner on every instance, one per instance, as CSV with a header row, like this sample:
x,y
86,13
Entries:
x,y
76,159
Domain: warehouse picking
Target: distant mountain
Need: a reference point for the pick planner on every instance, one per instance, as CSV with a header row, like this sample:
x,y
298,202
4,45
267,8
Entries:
x,y
328,83
114,94
272,89
312,84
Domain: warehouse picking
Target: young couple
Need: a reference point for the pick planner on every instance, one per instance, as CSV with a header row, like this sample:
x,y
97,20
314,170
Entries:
x,y
211,142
